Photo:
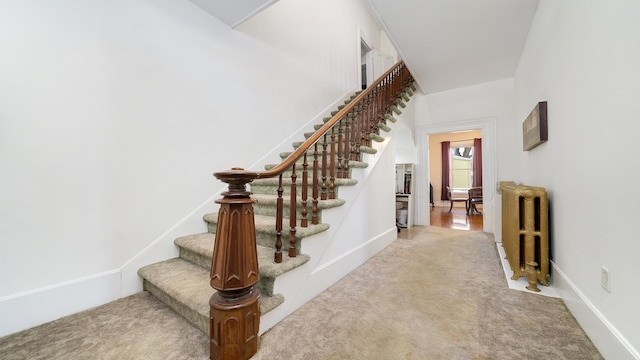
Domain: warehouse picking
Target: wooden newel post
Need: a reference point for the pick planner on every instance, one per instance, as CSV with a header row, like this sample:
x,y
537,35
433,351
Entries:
x,y
235,307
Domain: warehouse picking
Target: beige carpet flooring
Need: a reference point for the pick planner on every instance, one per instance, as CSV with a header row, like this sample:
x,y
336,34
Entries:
x,y
433,294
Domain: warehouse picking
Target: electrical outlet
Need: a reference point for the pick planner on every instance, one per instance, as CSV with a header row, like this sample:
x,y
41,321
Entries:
x,y
605,279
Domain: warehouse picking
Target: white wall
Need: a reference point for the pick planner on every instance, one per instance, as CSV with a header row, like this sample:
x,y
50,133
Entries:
x,y
114,114
488,107
582,57
489,100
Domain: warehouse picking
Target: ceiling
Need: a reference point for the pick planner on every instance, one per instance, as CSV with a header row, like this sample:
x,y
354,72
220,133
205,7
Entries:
x,y
449,44
233,12
446,44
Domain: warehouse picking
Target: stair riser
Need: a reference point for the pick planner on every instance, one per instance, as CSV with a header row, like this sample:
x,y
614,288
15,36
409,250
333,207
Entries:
x,y
286,177
272,189
320,145
270,210
352,164
363,150
194,317
336,132
268,239
300,168
265,284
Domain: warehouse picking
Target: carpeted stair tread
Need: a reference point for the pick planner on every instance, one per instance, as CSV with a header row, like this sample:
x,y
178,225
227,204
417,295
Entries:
x,y
376,137
284,155
364,149
389,117
384,127
185,288
310,133
268,199
186,283
271,189
352,164
300,161
202,246
266,224
358,164
286,181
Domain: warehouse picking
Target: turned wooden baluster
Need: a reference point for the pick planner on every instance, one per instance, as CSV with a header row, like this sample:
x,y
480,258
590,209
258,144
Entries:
x,y
387,96
398,84
305,189
323,193
234,307
380,105
364,128
332,165
279,215
314,190
361,124
339,172
347,145
293,213
356,133
375,119
373,116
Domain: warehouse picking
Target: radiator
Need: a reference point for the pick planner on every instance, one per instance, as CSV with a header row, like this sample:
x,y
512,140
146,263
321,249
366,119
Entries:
x,y
525,232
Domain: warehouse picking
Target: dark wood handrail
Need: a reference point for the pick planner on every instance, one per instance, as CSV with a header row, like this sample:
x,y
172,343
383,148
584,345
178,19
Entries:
x,y
235,312
297,154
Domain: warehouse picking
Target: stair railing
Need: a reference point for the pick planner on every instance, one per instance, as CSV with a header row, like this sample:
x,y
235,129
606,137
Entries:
x,y
328,154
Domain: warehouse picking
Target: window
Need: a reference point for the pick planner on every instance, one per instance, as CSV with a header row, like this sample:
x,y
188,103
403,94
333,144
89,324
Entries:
x,y
461,165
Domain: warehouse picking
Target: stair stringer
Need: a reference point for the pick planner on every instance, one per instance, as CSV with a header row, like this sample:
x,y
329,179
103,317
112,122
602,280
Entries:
x,y
351,239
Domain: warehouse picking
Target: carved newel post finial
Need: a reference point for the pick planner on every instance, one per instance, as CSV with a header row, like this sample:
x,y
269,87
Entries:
x,y
235,307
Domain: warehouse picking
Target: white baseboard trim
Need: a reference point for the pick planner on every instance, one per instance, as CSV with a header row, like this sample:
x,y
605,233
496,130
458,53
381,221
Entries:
x,y
609,341
358,255
522,283
34,307
328,273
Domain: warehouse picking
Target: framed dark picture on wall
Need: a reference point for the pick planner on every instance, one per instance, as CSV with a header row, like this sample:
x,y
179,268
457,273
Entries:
x,y
534,127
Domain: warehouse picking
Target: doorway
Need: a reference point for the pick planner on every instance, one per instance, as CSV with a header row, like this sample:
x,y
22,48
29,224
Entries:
x,y
486,126
460,176
364,50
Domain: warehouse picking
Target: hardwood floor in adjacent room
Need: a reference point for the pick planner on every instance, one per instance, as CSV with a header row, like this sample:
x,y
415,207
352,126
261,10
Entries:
x,y
456,219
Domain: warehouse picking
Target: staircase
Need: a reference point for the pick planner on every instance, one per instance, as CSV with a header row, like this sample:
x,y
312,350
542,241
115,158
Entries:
x,y
183,283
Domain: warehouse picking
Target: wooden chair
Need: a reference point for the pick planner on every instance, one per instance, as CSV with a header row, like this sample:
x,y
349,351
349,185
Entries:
x,y
475,197
455,197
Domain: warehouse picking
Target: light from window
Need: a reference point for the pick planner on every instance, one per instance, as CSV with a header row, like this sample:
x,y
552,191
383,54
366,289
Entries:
x,y
461,166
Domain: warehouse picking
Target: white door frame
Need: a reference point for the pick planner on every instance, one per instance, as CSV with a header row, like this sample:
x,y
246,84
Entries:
x,y
489,174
